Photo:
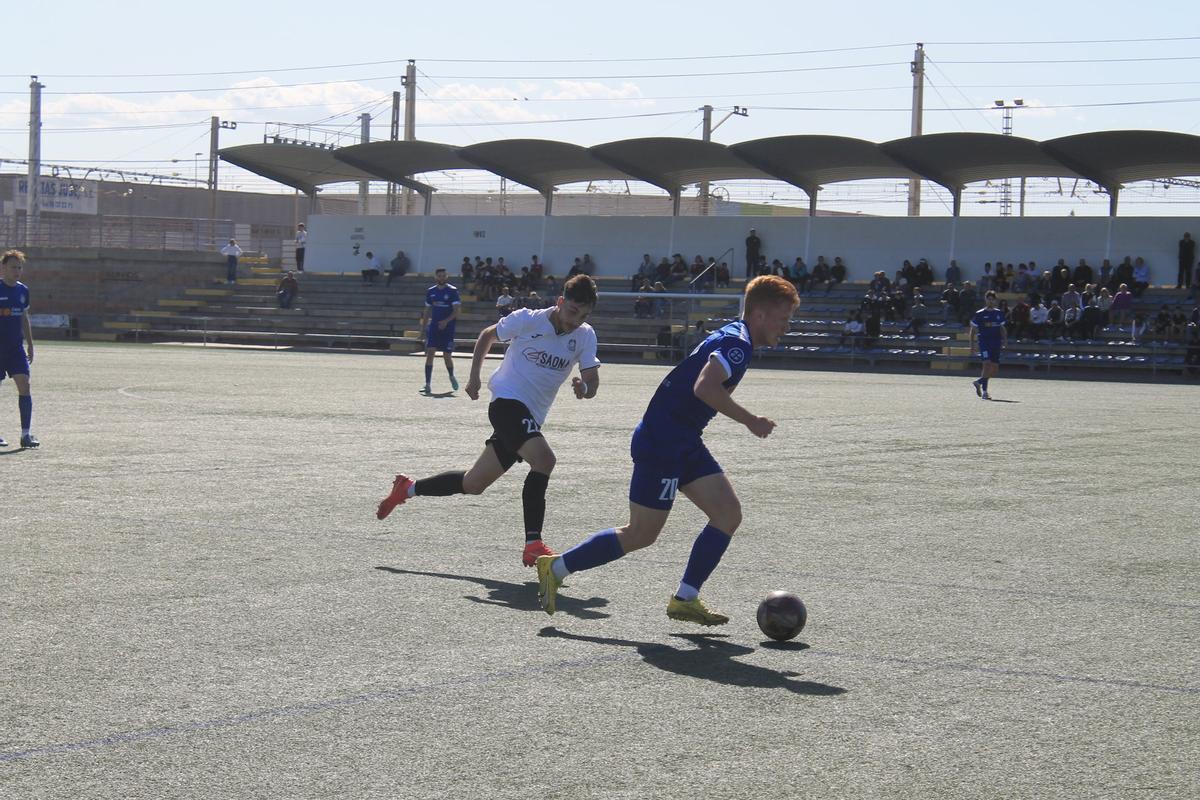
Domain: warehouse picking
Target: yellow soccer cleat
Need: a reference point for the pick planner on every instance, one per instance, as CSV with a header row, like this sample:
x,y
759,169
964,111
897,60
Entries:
x,y
548,583
694,611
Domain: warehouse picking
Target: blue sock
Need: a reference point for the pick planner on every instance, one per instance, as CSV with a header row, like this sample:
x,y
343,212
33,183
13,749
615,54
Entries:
x,y
983,383
597,550
707,550
428,373
450,369
25,403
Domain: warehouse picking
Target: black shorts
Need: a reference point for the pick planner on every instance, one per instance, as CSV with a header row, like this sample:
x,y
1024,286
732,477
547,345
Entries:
x,y
512,427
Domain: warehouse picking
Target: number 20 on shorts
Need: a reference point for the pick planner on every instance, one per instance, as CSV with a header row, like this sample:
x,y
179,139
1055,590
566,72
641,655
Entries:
x,y
669,487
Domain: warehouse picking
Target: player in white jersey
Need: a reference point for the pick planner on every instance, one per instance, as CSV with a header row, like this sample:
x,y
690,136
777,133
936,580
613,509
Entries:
x,y
543,346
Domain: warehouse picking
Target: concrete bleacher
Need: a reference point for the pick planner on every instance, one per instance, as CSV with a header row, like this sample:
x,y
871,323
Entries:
x,y
341,311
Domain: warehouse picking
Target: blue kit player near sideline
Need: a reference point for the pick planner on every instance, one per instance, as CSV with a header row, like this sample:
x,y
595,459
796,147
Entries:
x,y
16,338
669,455
441,309
988,325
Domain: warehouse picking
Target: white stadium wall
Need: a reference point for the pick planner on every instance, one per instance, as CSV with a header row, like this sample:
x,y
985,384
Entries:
x,y
616,244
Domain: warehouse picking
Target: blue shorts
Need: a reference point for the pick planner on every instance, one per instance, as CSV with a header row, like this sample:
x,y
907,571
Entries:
x,y
13,362
661,467
990,353
440,340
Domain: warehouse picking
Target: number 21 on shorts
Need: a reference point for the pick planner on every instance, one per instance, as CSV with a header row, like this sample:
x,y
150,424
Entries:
x,y
669,487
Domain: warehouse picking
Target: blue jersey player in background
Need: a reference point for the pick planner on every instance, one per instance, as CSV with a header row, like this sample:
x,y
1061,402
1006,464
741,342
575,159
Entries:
x,y
669,455
441,309
16,338
988,325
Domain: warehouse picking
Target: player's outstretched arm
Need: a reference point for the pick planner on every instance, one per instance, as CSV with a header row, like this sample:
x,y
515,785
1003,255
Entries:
x,y
586,383
709,387
483,345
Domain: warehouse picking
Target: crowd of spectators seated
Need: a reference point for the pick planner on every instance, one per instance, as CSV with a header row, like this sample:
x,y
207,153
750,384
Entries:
x,y
488,277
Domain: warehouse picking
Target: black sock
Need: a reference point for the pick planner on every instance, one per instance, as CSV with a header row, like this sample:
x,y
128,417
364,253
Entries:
x,y
533,503
441,485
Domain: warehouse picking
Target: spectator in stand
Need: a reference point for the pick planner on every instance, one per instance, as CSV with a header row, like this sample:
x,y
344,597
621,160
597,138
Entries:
x,y
762,265
400,266
1104,302
820,273
1038,315
679,270
897,306
1122,304
1082,275
1192,358
232,252
1187,260
1054,321
301,246
1179,322
536,272
1045,287
873,326
967,300
643,306
662,273
466,272
373,268
1090,319
551,290
1162,324
1141,276
1106,275
576,268
645,272
837,274
800,276
722,272
524,282
1071,299
923,274
1124,272
916,316
985,280
1071,322
852,330
505,302
660,304
503,273
1137,329
950,302
1022,282
1018,320
753,252
588,266
953,274
485,279
287,289
534,300
1060,279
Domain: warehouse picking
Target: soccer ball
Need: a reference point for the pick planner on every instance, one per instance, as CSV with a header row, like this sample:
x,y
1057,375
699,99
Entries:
x,y
781,615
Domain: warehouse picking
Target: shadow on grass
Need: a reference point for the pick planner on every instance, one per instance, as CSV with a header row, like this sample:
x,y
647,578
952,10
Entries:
x,y
712,659
998,400
435,395
518,596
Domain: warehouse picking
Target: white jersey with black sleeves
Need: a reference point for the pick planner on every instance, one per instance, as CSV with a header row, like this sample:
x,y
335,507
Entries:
x,y
539,359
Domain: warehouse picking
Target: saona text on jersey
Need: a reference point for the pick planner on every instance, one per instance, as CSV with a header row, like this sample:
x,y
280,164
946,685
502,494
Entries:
x,y
539,359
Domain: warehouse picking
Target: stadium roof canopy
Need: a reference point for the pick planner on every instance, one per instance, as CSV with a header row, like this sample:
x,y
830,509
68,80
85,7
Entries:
x,y
808,162
956,159
1109,158
302,167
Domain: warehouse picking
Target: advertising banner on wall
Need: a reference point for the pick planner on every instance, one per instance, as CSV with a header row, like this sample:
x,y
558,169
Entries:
x,y
63,195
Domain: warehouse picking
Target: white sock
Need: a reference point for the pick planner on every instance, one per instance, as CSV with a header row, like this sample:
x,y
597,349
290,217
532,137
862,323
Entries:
x,y
559,568
687,592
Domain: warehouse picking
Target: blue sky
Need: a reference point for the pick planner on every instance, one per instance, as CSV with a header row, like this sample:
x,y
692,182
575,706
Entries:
x,y
133,86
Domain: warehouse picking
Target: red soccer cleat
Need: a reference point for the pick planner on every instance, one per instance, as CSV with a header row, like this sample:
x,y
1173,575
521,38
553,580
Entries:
x,y
534,549
397,497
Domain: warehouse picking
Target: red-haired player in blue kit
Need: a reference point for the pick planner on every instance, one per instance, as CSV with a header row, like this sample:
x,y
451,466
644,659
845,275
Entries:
x,y
669,455
16,338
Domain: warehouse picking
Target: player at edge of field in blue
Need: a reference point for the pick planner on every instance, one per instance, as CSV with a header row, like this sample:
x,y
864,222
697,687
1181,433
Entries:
x,y
16,339
442,304
988,324
669,455
543,346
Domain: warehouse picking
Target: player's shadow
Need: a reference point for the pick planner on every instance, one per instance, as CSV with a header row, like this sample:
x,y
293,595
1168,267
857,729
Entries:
x,y
713,659
437,395
998,400
518,596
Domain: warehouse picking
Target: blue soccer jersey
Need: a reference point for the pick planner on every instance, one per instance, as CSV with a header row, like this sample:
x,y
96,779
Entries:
x,y
675,410
441,301
14,304
989,323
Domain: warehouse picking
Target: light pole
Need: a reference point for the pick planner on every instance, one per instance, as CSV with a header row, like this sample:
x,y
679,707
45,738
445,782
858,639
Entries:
x,y
196,168
1006,186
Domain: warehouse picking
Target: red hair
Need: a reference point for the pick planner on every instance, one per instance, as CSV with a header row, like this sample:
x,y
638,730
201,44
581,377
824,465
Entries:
x,y
770,289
